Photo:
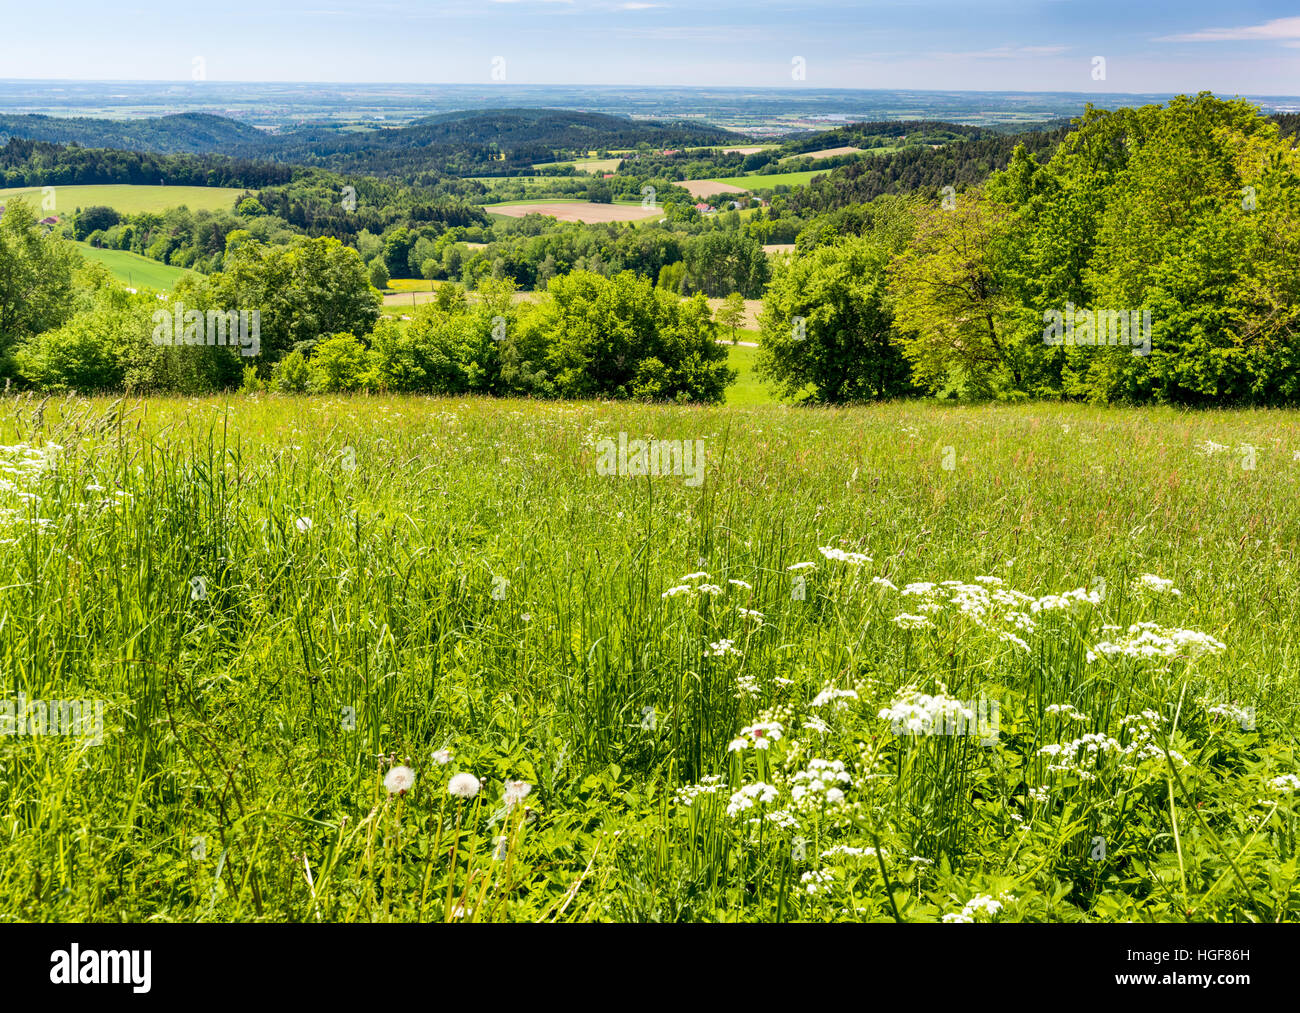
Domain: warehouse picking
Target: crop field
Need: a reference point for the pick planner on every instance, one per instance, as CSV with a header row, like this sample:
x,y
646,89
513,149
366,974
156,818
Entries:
x,y
524,180
759,181
824,153
386,659
128,199
591,165
708,187
574,211
134,270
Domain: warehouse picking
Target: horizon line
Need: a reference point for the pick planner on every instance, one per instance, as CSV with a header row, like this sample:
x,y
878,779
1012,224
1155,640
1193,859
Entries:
x,y
504,86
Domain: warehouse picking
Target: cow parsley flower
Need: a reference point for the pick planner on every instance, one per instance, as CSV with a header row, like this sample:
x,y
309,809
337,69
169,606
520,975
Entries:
x,y
923,714
838,697
749,794
1152,584
1147,641
839,555
978,907
711,784
762,734
723,648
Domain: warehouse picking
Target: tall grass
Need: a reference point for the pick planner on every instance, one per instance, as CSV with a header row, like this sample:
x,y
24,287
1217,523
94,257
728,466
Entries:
x,y
278,599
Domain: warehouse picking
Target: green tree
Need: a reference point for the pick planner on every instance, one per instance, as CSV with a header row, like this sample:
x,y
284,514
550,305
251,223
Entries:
x,y
310,288
620,337
731,314
337,363
951,305
827,327
36,279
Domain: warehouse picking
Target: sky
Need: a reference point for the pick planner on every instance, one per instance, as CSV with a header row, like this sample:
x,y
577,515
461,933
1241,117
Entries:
x,y
968,45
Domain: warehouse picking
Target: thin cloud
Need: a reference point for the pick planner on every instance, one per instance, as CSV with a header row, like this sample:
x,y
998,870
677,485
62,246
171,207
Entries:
x,y
1277,30
1004,53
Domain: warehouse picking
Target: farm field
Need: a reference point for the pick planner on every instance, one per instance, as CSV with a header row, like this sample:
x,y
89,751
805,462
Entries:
x,y
525,180
759,182
845,676
824,153
574,211
590,165
134,270
752,309
708,187
129,199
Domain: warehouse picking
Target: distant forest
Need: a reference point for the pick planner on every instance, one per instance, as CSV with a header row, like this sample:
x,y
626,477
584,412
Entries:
x,y
491,143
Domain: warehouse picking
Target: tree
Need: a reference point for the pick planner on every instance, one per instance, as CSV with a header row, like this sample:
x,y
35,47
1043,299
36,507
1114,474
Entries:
x,y
94,219
397,252
731,314
827,325
378,274
720,262
951,304
305,290
337,363
36,279
620,337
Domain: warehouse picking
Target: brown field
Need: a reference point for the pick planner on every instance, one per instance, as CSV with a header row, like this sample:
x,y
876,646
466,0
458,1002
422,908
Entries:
x,y
772,248
823,153
752,308
707,187
575,211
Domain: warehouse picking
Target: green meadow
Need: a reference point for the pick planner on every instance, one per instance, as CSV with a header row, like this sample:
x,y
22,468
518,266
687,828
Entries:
x,y
386,659
128,199
758,181
134,270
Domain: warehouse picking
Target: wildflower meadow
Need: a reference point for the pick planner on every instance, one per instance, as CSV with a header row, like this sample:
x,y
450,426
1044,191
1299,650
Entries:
x,y
373,659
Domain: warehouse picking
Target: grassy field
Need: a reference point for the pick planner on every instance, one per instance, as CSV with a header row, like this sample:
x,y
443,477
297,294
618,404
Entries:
x,y
135,270
589,165
758,182
526,180
572,210
384,659
131,199
748,390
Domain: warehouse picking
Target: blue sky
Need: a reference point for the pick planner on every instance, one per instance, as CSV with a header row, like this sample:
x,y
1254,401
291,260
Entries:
x,y
1032,45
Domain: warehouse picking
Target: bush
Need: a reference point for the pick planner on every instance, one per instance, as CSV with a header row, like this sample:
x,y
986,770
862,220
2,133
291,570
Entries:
x,y
620,337
337,363
291,374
